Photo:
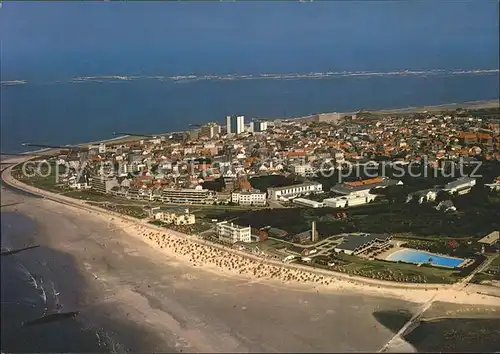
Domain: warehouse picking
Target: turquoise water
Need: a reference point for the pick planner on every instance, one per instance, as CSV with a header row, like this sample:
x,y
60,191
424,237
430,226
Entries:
x,y
415,256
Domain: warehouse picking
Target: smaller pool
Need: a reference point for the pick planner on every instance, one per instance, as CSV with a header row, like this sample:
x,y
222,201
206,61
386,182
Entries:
x,y
416,256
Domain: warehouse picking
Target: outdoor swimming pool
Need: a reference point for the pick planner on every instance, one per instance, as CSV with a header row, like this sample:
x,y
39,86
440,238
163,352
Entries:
x,y
416,256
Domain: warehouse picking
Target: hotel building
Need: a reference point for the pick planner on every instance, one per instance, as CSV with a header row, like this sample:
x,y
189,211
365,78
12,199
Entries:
x,y
231,233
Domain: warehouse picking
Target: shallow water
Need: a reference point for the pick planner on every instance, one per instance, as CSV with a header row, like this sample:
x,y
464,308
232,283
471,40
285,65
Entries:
x,y
447,334
457,335
29,291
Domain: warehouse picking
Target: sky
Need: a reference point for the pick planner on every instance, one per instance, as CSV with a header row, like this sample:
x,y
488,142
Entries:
x,y
251,32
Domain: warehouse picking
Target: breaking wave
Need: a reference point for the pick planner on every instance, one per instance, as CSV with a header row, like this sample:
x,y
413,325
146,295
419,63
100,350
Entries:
x,y
269,76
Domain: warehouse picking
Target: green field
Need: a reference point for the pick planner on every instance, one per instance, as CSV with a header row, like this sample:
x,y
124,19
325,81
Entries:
x,y
130,210
492,273
479,213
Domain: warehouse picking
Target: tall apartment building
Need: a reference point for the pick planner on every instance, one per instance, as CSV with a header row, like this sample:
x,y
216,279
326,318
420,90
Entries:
x,y
102,184
210,130
235,124
231,233
259,126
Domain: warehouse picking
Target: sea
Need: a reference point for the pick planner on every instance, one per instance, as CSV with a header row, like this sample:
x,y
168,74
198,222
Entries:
x,y
73,72
42,281
78,72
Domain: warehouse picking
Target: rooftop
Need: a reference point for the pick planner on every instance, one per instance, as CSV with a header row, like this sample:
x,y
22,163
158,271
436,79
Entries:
x,y
353,241
491,238
350,187
307,183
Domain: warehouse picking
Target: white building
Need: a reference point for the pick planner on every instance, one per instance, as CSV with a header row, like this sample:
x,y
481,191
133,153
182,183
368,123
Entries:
x,y
176,218
461,185
231,233
235,124
349,200
308,203
249,198
289,192
302,169
195,195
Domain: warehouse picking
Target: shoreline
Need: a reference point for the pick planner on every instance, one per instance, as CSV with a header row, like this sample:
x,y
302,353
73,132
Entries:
x,y
224,261
172,306
478,104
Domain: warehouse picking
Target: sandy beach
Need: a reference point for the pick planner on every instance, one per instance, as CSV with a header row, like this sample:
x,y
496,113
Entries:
x,y
202,297
184,306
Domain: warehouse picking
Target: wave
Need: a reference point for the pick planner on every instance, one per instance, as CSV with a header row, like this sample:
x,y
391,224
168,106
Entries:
x,y
286,76
13,82
268,76
38,285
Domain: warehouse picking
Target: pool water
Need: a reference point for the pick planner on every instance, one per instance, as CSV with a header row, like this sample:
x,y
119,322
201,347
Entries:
x,y
416,256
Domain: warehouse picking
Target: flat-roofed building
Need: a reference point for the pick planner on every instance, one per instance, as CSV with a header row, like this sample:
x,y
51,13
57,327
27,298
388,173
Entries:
x,y
349,200
232,233
364,186
249,198
195,196
289,192
355,244
461,185
327,117
210,130
102,184
308,203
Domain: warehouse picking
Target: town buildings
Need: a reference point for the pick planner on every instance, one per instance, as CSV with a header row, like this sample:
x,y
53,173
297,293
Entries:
x,y
461,185
308,203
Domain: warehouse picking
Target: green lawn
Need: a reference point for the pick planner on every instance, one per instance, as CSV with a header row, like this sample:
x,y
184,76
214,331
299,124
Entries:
x,y
489,274
392,271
